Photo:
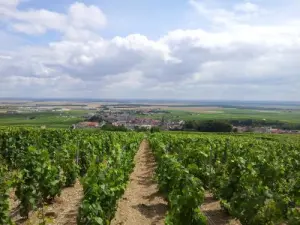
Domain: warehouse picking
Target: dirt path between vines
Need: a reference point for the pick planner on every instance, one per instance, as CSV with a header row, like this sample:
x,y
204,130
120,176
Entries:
x,y
63,211
214,213
141,203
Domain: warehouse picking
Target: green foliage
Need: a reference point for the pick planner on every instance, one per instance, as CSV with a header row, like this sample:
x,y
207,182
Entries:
x,y
105,182
109,127
184,191
46,160
154,129
4,194
256,178
39,180
67,161
141,129
209,126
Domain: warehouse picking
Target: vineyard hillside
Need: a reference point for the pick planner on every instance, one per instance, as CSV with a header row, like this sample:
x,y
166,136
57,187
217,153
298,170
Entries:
x,y
59,176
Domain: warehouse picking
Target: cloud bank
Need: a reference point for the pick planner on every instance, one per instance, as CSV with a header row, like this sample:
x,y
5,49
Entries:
x,y
235,57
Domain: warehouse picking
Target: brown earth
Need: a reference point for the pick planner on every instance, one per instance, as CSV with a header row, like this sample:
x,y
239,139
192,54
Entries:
x,y
66,206
214,213
63,211
141,203
13,204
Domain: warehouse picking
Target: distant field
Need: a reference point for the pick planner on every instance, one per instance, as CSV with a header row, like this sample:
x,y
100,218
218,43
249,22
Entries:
x,y
175,112
48,119
208,113
218,113
201,109
212,113
67,105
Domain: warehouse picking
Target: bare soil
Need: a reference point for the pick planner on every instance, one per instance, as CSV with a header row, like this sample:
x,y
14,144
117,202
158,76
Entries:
x,y
13,204
214,213
141,204
63,211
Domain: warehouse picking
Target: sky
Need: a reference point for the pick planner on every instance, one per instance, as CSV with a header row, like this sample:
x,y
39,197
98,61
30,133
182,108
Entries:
x,y
150,49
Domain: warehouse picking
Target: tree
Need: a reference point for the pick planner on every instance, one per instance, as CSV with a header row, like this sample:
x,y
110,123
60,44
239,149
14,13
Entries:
x,y
209,126
154,129
109,127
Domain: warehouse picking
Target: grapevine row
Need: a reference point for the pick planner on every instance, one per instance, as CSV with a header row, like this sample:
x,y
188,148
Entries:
x,y
256,179
38,164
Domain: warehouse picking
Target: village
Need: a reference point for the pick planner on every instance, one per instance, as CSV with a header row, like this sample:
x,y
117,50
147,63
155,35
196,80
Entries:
x,y
118,117
130,118
264,130
133,119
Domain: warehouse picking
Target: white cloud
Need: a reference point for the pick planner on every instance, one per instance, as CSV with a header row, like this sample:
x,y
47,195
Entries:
x,y
86,17
246,12
9,3
127,80
5,57
79,17
247,7
219,16
233,58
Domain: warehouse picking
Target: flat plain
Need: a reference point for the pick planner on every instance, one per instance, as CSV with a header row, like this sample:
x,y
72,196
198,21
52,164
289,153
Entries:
x,y
73,112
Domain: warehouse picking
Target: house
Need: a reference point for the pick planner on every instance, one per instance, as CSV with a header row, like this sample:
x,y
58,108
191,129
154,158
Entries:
x,y
12,112
88,125
88,115
277,131
146,126
119,123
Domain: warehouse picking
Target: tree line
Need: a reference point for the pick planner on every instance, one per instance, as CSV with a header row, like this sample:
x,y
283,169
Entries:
x,y
208,126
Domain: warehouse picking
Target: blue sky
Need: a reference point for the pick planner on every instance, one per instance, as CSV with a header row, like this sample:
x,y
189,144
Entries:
x,y
183,49
127,17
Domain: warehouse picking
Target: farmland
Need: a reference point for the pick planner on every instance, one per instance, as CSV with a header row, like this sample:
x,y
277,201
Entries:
x,y
38,119
200,113
62,114
255,178
51,114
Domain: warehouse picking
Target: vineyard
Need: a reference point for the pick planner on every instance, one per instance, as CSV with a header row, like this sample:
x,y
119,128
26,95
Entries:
x,y
38,164
256,178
